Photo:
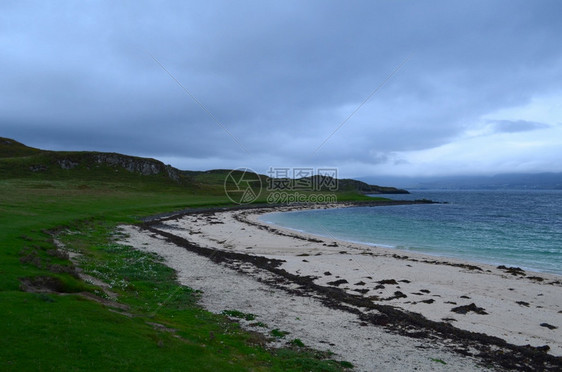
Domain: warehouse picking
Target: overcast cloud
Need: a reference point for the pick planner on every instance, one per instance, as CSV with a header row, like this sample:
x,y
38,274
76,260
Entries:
x,y
479,92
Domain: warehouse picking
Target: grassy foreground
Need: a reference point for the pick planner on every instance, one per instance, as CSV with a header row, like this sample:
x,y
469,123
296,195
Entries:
x,y
68,324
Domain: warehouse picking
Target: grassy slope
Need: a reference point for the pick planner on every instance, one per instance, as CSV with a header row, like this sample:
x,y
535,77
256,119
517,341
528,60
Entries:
x,y
55,331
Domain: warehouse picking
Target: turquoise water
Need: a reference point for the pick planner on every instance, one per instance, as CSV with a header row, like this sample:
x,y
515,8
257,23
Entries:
x,y
512,228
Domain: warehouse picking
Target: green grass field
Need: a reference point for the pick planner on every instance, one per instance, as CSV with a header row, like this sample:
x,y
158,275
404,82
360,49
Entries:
x,y
63,323
66,331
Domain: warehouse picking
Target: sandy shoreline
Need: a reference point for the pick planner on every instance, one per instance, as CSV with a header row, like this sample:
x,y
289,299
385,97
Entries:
x,y
360,296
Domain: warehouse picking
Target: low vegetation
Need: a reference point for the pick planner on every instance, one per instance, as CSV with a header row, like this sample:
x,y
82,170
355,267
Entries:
x,y
97,304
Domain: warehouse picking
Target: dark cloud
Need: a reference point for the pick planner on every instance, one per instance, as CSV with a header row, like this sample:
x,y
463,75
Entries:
x,y
279,76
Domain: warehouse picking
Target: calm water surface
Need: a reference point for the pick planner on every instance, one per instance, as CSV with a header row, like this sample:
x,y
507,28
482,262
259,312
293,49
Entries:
x,y
515,228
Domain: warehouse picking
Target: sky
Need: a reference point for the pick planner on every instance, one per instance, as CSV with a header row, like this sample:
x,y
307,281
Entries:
x,y
398,88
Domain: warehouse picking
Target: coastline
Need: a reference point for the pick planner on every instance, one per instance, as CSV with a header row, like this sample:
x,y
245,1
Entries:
x,y
456,302
257,219
481,249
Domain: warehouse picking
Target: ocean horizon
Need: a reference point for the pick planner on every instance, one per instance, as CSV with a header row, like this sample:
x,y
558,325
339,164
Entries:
x,y
521,228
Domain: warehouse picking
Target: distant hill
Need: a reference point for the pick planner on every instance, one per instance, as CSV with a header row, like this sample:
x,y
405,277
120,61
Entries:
x,y
510,181
20,161
12,148
347,184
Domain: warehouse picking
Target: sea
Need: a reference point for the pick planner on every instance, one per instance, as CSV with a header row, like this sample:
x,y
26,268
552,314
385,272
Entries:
x,y
520,228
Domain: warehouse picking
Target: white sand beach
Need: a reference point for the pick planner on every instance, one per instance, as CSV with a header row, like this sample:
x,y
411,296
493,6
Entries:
x,y
522,308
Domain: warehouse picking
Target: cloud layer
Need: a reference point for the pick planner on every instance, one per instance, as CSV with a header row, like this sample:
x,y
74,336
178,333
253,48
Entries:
x,y
267,83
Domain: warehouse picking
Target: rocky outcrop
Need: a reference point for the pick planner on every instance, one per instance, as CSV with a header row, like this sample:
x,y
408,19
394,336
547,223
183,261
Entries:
x,y
144,166
67,163
38,168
